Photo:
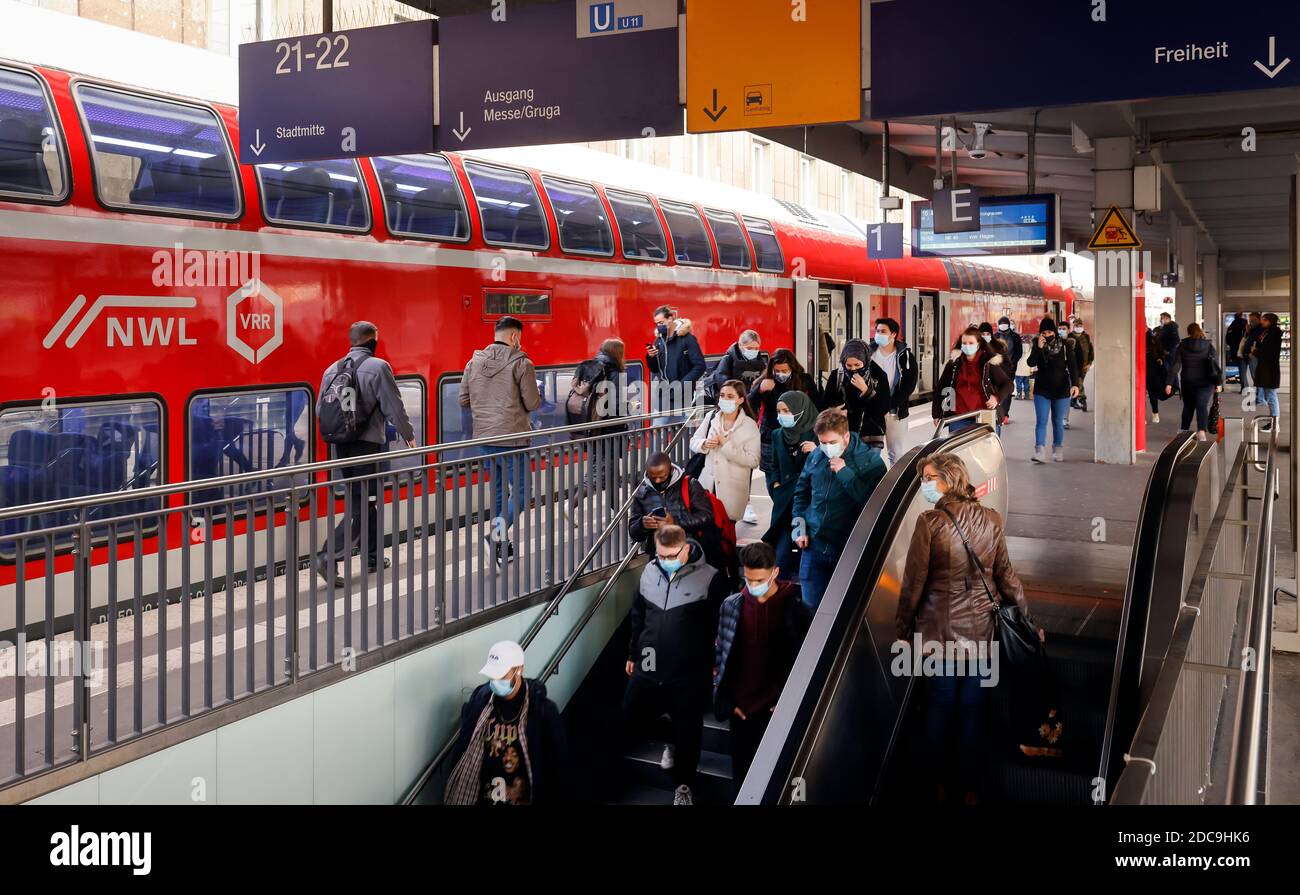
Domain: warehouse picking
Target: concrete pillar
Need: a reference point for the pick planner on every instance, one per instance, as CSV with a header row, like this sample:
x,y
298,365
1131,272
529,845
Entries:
x,y
1185,291
1115,324
1212,300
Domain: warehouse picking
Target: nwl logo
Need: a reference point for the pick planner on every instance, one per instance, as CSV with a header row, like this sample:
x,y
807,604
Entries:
x,y
157,328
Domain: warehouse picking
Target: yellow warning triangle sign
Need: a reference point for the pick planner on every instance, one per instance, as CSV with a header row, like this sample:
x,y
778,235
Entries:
x,y
1114,232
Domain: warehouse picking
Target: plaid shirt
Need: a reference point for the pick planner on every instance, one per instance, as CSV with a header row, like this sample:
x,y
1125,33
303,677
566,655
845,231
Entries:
x,y
463,784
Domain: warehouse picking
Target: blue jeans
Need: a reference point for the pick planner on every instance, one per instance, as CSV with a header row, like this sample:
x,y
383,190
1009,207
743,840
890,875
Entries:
x,y
1056,408
1269,396
507,472
1022,386
956,701
788,561
966,424
815,570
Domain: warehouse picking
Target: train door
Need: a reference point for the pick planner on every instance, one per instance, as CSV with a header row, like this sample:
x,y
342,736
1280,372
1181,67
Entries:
x,y
862,327
821,325
924,334
1056,309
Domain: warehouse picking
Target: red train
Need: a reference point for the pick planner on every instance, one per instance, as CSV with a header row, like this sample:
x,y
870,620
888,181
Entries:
x,y
168,311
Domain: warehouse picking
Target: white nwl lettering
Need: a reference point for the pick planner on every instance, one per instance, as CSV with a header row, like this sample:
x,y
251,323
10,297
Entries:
x,y
151,329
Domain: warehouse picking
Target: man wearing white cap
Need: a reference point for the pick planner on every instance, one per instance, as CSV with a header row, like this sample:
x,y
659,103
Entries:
x,y
510,750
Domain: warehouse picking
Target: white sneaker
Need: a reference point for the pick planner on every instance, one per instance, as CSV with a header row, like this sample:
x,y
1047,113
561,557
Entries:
x,y
1155,417
1058,455
666,760
1040,454
682,796
750,516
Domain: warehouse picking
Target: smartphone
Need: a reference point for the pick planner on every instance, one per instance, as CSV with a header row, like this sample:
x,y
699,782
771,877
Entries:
x,y
658,511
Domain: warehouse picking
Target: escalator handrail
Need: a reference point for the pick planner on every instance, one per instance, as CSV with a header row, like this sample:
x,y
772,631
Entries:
x,y
553,608
1123,710
802,699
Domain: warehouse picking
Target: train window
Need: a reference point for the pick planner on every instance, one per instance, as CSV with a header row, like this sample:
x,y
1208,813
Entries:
x,y
767,250
315,194
78,450
638,227
422,197
456,423
411,390
690,239
733,251
158,154
249,431
31,153
581,218
508,207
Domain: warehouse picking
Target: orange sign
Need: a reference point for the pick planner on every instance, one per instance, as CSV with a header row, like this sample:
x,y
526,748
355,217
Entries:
x,y
1114,232
772,63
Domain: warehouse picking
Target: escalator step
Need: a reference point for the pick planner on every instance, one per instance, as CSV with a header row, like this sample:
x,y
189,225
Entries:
x,y
713,778
1039,784
717,734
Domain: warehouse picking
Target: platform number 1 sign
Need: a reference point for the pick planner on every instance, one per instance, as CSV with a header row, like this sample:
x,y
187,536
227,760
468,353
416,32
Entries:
x,y
884,241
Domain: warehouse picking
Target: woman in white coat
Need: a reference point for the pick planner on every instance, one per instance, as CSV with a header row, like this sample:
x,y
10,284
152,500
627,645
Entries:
x,y
730,442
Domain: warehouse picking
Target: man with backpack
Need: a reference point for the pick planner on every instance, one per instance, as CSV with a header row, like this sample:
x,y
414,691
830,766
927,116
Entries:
x,y
357,395
668,496
595,396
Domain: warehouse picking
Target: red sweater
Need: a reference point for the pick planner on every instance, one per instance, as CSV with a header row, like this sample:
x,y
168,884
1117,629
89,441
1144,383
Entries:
x,y
969,386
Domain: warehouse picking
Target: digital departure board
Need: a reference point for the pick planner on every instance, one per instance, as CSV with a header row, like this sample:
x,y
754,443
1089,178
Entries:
x,y
517,304
1009,225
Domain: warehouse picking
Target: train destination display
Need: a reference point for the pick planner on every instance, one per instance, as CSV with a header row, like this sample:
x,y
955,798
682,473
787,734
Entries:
x,y
1008,225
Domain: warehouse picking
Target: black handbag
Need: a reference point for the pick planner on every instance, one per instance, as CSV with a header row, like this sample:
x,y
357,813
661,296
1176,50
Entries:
x,y
695,465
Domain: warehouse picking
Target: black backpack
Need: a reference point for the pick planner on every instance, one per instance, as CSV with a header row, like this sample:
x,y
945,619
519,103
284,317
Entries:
x,y
580,406
341,417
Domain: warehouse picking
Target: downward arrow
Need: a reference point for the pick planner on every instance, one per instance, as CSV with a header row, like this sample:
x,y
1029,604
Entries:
x,y
1271,69
257,145
463,132
716,113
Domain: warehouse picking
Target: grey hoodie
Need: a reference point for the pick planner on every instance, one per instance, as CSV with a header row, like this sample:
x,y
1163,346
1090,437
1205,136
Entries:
x,y
500,389
378,391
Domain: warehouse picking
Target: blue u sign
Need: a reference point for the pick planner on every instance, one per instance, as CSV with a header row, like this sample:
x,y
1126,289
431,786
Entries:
x,y
602,17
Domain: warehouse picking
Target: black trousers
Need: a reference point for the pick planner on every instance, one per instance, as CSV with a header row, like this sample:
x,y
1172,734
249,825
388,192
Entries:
x,y
1196,402
643,703
363,501
745,737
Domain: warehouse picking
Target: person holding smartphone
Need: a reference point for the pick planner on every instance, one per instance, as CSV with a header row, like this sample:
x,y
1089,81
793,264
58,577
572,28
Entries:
x,y
675,360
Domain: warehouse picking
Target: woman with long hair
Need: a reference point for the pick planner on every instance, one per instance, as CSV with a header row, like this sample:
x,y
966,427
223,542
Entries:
x,y
1195,367
974,378
1057,379
730,442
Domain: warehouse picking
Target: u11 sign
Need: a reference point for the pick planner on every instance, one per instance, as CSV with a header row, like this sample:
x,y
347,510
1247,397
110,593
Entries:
x,y
367,91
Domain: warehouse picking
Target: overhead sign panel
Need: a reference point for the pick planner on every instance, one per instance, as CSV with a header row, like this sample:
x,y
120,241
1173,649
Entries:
x,y
772,63
368,91
1008,225
926,60
1114,232
567,72
884,241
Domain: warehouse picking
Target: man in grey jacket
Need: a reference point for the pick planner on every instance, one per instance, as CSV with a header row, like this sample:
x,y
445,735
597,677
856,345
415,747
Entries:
x,y
500,389
377,395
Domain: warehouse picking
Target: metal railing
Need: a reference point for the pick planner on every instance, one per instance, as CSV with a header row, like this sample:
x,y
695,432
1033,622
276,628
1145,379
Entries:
x,y
132,614
1201,737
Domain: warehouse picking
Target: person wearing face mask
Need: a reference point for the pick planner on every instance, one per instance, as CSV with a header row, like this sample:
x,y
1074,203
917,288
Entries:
x,y
659,501
675,361
673,623
896,362
759,633
744,360
1083,344
1012,352
729,440
511,745
784,374
500,389
1055,382
828,498
796,414
861,390
943,601
975,378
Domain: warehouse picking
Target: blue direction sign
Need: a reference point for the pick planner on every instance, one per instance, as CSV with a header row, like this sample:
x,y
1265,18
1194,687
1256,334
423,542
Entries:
x,y
559,73
367,91
945,56
884,241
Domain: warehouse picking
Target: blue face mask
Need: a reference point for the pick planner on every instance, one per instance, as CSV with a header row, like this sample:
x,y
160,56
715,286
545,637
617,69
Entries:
x,y
727,406
787,420
781,377
671,566
759,590
833,450
749,353
882,339
930,491
502,688
969,350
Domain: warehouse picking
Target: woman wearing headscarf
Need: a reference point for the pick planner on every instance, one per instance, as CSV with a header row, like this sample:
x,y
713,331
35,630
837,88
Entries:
x,y
796,414
862,389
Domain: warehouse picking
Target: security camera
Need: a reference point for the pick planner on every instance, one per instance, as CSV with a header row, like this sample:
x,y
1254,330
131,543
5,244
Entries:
x,y
978,154
977,150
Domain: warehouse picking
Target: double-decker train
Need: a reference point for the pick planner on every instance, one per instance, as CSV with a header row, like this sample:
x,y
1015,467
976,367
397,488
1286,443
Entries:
x,y
168,311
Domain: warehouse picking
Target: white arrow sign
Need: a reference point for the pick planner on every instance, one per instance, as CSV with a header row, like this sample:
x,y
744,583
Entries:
x,y
257,145
463,132
1273,66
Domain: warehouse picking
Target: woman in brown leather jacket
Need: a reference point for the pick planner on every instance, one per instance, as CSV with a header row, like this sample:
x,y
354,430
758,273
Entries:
x,y
943,605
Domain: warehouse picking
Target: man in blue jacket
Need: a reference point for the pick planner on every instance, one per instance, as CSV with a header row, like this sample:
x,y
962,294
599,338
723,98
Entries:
x,y
675,360
828,498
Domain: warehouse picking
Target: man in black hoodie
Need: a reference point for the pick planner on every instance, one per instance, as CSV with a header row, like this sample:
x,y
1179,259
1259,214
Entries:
x,y
510,750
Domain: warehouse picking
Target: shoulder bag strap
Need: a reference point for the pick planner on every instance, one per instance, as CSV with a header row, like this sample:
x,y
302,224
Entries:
x,y
973,558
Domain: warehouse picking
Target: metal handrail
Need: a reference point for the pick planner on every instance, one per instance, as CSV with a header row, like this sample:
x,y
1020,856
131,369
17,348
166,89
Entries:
x,y
166,490
949,420
1247,743
553,609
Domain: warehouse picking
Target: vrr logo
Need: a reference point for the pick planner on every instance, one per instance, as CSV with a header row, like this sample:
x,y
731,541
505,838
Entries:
x,y
251,320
